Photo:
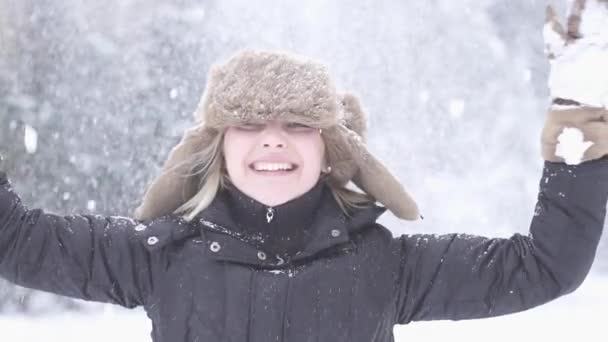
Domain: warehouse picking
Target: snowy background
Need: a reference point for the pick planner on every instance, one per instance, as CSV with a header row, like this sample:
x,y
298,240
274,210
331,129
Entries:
x,y
94,94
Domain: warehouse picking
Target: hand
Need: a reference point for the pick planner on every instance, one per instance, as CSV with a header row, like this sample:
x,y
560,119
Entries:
x,y
579,53
576,129
576,134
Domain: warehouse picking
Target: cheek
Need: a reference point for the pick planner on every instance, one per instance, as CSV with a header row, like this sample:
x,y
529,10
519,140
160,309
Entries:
x,y
234,153
314,153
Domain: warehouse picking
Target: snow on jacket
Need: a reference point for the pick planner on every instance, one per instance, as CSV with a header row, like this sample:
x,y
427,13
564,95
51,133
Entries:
x,y
198,281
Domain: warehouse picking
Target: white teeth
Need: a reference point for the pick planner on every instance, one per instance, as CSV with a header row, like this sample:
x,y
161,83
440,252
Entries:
x,y
261,166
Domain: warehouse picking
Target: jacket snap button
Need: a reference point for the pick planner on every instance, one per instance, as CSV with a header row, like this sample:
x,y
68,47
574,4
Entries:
x,y
140,227
152,240
261,255
215,247
335,233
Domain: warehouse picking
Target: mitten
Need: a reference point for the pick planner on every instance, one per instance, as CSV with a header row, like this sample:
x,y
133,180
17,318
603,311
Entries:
x,y
576,129
575,135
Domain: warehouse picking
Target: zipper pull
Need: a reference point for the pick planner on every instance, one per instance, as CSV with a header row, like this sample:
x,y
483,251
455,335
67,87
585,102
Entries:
x,y
269,214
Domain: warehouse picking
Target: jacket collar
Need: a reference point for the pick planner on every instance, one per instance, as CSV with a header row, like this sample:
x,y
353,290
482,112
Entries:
x,y
227,239
281,229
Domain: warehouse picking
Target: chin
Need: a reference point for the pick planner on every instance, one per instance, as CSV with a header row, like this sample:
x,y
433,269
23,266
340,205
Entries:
x,y
277,199
280,199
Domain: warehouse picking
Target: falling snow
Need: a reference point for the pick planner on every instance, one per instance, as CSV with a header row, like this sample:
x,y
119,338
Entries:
x,y
30,139
457,108
576,66
91,204
124,79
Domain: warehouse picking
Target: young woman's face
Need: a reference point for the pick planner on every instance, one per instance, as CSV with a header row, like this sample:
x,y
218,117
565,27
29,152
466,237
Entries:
x,y
274,162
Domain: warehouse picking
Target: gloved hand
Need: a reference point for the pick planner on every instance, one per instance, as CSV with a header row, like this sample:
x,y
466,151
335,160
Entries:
x,y
577,125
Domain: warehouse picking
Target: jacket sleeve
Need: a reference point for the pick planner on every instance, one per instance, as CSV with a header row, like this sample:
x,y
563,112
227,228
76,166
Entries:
x,y
454,277
88,257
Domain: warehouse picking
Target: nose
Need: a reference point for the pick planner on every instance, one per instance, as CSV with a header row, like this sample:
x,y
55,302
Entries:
x,y
279,145
273,141
273,138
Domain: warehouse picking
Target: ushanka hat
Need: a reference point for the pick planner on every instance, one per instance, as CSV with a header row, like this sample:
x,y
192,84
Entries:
x,y
256,86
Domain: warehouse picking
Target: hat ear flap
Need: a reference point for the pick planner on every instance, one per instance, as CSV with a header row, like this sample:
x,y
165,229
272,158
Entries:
x,y
351,160
176,183
376,180
355,118
342,140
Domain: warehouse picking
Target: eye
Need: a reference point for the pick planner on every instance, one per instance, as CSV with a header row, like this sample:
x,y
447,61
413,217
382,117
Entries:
x,y
294,126
250,127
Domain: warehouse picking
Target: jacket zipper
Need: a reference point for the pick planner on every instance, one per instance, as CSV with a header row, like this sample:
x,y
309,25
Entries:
x,y
269,214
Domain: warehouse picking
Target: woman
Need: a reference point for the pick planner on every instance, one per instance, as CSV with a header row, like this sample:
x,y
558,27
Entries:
x,y
251,232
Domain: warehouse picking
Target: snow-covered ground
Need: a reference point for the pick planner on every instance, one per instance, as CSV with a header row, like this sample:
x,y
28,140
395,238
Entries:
x,y
576,317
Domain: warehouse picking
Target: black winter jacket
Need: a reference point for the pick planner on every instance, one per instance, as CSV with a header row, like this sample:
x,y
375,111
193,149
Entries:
x,y
202,281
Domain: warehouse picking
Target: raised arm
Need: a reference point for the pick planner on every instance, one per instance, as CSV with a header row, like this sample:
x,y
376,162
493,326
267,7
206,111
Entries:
x,y
463,277
83,256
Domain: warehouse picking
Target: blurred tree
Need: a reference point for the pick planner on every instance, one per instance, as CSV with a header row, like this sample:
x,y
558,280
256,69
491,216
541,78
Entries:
x,y
108,89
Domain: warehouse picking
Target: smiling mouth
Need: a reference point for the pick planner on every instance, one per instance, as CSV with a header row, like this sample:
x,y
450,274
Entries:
x,y
273,168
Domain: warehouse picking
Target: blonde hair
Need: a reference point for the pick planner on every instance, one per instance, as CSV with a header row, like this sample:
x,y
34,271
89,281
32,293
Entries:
x,y
208,166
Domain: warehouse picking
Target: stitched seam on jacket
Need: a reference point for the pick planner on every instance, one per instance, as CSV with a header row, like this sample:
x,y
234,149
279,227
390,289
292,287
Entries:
x,y
252,289
227,312
286,308
399,281
317,308
352,293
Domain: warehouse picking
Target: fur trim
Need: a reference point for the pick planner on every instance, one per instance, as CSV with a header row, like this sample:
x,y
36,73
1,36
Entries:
x,y
260,86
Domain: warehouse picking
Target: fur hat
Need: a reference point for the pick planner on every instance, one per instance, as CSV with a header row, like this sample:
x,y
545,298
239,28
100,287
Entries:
x,y
255,86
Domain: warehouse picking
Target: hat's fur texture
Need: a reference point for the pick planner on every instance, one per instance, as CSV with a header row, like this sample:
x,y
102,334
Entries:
x,y
256,86
260,86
